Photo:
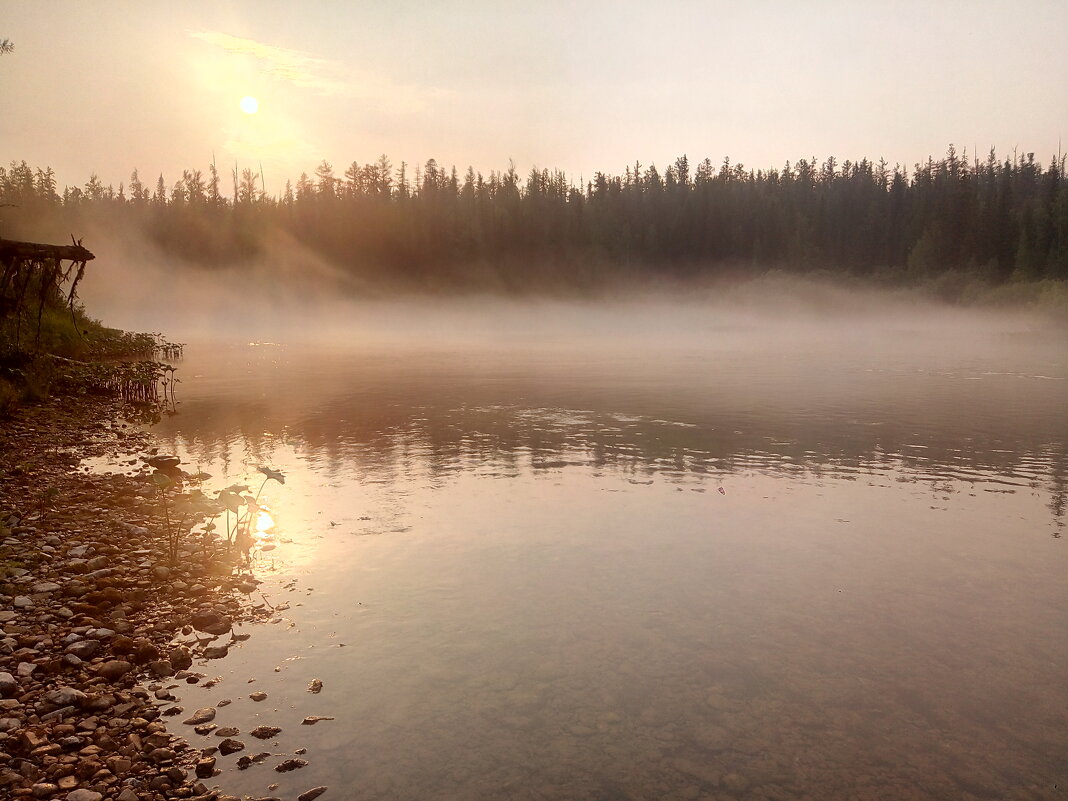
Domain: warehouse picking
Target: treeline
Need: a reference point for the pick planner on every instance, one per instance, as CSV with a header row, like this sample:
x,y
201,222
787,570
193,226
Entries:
x,y
998,219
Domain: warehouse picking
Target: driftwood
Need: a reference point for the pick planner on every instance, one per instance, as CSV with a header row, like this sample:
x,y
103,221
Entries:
x,y
30,272
10,249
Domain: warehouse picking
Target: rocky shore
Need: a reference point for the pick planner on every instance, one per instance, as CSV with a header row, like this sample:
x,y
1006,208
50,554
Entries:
x,y
97,620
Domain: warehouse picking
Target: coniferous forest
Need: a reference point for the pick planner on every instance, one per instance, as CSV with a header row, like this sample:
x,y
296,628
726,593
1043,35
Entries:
x,y
993,220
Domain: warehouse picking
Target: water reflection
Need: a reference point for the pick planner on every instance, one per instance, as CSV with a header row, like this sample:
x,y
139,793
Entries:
x,y
806,417
515,578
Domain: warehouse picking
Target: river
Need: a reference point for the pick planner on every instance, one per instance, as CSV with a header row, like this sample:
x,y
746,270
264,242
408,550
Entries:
x,y
748,562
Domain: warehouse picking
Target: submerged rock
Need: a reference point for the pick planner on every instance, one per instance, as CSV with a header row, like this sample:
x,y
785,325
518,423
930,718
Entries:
x,y
293,763
204,715
228,746
216,651
211,622
246,762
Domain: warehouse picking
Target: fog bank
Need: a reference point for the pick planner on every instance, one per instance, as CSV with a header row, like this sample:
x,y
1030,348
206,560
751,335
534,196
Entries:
x,y
297,297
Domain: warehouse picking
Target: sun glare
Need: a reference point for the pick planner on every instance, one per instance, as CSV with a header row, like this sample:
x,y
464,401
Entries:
x,y
249,104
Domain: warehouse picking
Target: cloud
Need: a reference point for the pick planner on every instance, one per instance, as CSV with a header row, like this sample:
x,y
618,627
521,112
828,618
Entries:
x,y
323,76
299,68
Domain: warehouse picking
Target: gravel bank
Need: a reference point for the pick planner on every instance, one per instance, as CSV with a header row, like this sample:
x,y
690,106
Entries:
x,y
90,604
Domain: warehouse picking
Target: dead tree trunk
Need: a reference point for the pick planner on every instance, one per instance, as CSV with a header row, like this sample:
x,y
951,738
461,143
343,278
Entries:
x,y
30,272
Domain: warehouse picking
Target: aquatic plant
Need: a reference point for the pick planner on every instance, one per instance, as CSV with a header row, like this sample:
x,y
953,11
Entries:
x,y
232,502
174,530
270,475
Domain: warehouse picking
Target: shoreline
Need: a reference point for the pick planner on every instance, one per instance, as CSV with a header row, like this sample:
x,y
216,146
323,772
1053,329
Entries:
x,y
90,605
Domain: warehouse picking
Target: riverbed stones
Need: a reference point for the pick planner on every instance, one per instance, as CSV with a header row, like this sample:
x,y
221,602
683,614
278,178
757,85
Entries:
x,y
92,620
144,651
204,715
65,696
265,732
246,762
181,658
312,794
315,686
229,746
114,669
84,649
294,763
259,695
211,622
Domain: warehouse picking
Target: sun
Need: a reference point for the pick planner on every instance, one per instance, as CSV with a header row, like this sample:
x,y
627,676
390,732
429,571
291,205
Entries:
x,y
249,104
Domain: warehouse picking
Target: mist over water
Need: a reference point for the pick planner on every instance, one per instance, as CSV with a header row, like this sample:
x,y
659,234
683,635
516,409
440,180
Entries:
x,y
773,540
293,295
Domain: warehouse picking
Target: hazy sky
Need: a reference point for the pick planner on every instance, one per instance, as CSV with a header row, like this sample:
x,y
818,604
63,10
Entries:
x,y
108,86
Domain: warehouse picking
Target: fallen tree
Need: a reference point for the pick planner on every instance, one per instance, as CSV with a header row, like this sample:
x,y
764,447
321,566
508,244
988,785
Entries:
x,y
33,274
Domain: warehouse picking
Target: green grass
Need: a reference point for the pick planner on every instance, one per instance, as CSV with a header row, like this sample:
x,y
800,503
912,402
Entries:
x,y
72,354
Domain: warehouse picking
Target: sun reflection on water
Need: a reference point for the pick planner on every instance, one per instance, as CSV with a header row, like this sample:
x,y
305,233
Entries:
x,y
264,525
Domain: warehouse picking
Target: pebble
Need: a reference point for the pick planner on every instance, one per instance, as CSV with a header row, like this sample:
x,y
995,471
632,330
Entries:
x,y
211,622
114,669
205,715
312,794
290,764
65,696
265,732
228,746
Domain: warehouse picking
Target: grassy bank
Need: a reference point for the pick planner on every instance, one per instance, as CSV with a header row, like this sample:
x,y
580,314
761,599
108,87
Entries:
x,y
76,355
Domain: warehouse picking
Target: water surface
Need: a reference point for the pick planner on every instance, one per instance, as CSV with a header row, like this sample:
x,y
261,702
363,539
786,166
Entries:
x,y
743,564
